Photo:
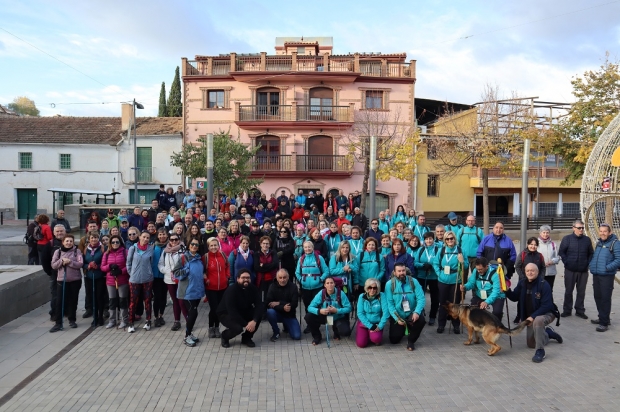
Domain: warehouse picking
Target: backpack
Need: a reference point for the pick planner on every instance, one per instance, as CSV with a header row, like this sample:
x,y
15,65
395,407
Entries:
x,y
443,252
422,249
37,233
542,258
475,233
317,255
376,252
409,277
338,296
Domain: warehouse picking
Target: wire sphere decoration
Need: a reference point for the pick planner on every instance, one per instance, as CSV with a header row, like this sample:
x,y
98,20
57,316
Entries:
x,y
600,188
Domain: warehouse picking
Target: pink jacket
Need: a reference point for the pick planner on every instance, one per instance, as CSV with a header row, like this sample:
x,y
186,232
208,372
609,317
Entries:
x,y
226,246
119,257
72,269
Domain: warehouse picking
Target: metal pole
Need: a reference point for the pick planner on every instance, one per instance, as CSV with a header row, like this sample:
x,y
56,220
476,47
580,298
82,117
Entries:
x,y
210,170
372,178
524,184
135,156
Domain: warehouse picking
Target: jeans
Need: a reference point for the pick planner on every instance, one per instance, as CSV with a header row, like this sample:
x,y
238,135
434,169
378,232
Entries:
x,y
603,286
291,323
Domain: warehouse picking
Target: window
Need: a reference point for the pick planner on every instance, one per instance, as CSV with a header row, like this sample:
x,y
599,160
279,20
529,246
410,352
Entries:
x,y
65,161
547,209
216,98
301,51
431,150
570,209
432,186
25,160
145,164
374,99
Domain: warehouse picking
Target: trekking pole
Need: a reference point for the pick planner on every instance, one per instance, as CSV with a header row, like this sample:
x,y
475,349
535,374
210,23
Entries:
x,y
327,335
118,299
94,303
62,310
503,288
461,274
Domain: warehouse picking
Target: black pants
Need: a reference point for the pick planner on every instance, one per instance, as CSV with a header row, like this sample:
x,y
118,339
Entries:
x,y
264,287
446,294
236,325
575,280
398,331
214,297
307,295
88,298
433,290
54,295
341,326
603,286
160,294
101,293
33,255
550,280
192,314
40,251
498,306
68,305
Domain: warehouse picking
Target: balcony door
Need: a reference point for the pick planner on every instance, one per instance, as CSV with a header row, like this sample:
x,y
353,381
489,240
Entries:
x,y
268,103
268,154
320,153
321,104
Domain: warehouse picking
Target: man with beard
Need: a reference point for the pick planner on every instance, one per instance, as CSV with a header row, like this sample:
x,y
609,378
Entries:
x,y
241,310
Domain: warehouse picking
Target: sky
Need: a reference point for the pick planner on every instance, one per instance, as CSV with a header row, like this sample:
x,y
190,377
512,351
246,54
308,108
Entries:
x,y
89,56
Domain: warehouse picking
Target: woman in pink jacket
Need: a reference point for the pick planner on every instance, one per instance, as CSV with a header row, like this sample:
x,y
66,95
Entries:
x,y
68,261
114,265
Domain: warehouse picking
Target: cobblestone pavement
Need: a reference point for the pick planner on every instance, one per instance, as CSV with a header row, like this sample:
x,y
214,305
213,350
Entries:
x,y
112,370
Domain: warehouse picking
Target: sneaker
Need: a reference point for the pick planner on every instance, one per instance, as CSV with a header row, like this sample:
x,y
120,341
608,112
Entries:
x,y
211,332
87,314
602,328
195,339
431,321
553,334
56,328
147,325
275,337
440,329
581,315
565,314
595,321
123,325
539,356
72,325
131,329
225,343
111,324
176,326
248,342
217,332
188,341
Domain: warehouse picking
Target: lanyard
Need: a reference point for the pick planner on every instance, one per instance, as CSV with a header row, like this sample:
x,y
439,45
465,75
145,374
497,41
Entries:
x,y
332,240
428,257
448,259
356,249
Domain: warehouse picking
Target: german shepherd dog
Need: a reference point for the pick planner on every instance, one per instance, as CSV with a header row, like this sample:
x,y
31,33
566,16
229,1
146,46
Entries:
x,y
480,321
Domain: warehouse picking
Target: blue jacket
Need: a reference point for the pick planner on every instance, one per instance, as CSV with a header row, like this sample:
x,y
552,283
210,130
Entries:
x,y
391,261
467,239
301,199
605,262
402,291
336,269
344,307
488,282
507,251
156,255
373,311
191,278
311,273
136,221
541,293
139,264
237,262
384,225
576,252
96,256
449,258
426,255
369,267
374,234
259,216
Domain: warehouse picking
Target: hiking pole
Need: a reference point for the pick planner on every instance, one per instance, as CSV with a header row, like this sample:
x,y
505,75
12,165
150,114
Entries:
x,y
118,299
94,303
62,310
327,335
504,288
460,274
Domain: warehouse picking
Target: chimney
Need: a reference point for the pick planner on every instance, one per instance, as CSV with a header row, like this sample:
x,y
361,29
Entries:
x,y
126,115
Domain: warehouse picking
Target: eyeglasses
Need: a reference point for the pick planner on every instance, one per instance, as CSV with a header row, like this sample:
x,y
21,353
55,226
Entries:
x,y
194,244
132,234
372,288
449,238
115,242
581,227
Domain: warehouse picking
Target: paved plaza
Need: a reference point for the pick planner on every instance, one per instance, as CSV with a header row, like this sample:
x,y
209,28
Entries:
x,y
111,370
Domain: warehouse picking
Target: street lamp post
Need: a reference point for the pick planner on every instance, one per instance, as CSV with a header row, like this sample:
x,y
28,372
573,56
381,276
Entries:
x,y
210,170
135,152
372,178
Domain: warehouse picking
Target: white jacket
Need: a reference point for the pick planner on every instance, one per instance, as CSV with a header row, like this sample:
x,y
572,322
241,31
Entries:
x,y
167,264
549,251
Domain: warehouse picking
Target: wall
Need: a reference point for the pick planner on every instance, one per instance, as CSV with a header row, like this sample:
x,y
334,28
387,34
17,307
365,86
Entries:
x,y
22,289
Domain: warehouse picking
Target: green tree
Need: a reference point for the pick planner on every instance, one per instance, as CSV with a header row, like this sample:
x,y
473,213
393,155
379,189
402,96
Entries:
x,y
175,106
24,106
231,165
598,102
163,111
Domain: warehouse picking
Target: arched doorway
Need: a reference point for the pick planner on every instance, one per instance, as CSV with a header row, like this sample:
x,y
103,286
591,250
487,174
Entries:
x,y
320,153
268,154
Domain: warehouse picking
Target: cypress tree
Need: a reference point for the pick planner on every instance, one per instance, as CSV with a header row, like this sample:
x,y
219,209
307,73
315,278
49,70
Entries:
x,y
163,110
175,106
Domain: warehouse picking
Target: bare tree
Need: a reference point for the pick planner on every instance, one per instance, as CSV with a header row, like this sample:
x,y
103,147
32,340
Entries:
x,y
395,146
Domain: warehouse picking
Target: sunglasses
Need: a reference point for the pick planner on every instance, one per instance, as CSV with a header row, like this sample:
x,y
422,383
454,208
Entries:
x,y
194,244
283,231
581,227
372,288
449,238
132,234
174,239
115,242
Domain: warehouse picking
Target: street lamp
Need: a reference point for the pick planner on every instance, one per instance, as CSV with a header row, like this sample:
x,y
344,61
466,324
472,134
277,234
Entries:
x,y
135,151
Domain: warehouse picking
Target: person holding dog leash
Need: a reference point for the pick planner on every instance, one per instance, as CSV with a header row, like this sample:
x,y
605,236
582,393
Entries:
x,y
485,285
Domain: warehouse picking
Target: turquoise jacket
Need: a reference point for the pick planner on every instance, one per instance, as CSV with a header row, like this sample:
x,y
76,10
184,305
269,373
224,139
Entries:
x,y
373,311
468,241
488,282
299,245
450,258
333,242
385,251
399,217
311,273
344,307
156,255
419,231
411,222
357,246
401,291
413,252
426,254
369,267
384,225
335,269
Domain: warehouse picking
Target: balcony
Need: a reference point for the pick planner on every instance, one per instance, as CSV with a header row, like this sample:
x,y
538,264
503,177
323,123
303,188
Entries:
x,y
294,164
283,116
550,177
250,67
145,175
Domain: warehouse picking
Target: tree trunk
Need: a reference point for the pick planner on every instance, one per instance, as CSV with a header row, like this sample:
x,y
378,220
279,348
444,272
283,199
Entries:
x,y
485,200
365,186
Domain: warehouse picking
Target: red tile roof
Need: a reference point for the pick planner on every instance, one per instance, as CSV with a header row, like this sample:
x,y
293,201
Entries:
x,y
149,126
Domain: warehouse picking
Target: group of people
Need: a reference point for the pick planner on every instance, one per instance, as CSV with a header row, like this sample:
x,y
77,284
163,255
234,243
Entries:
x,y
374,271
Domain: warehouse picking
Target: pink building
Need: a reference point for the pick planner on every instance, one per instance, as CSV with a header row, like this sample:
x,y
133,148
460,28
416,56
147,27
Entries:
x,y
299,107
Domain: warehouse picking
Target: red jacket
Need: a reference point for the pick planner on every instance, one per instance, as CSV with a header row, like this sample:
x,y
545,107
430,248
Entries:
x,y
342,221
218,271
46,231
298,214
119,257
270,265
326,204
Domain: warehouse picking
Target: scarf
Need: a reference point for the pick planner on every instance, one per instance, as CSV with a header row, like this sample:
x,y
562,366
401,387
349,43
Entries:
x,y
172,249
244,254
142,248
64,249
93,248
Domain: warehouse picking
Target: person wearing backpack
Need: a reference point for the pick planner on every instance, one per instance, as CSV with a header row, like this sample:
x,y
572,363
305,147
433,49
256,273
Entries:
x,y
329,306
42,234
242,258
53,246
546,247
191,277
371,265
140,269
405,299
218,275
469,238
344,267
446,265
67,261
426,274
33,253
398,255
530,255
485,285
168,262
372,313
319,244
114,265
604,265
311,272
93,255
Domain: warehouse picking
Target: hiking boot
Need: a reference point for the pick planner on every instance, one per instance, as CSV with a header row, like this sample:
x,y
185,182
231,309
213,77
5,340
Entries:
x,y
553,334
217,332
225,343
602,328
307,330
248,342
156,323
195,339
456,330
147,325
72,324
595,321
211,332
131,329
275,337
188,341
111,324
123,325
581,315
440,329
431,321
539,356
176,326
56,328
566,314
87,314
162,322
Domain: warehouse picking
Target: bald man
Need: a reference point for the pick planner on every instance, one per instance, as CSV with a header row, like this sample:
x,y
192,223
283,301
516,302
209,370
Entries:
x,y
536,305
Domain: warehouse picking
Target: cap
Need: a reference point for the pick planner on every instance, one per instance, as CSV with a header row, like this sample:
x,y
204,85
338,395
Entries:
x,y
300,226
254,223
110,211
452,216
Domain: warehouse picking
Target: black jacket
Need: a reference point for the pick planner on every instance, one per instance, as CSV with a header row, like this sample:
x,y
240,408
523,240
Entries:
x,y
241,305
576,252
360,221
321,246
287,247
318,201
48,253
283,295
